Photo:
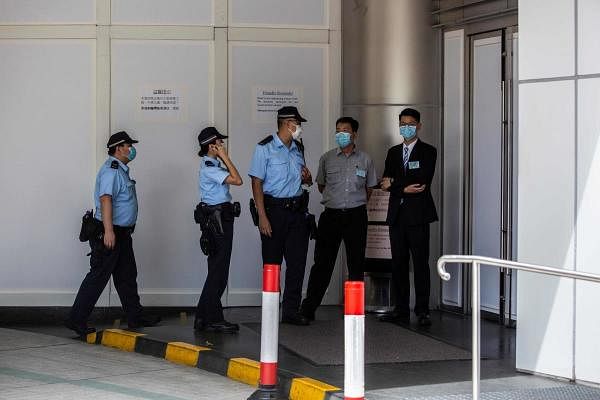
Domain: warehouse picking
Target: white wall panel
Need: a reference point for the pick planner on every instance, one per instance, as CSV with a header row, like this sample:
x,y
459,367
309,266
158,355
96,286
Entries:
x,y
588,31
309,13
546,225
547,30
169,260
452,169
588,220
47,129
283,66
47,12
162,12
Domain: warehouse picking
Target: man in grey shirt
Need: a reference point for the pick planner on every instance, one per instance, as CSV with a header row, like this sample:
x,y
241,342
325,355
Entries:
x,y
346,177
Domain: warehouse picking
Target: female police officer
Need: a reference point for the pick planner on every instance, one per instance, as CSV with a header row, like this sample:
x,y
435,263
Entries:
x,y
217,214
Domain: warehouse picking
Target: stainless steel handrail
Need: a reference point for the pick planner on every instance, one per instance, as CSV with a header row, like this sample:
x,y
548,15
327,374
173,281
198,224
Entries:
x,y
476,262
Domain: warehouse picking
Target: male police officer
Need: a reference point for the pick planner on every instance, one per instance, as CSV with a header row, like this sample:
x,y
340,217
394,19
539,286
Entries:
x,y
217,216
346,177
112,251
278,171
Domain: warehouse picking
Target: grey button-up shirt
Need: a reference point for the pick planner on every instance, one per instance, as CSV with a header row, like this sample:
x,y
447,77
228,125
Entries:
x,y
346,178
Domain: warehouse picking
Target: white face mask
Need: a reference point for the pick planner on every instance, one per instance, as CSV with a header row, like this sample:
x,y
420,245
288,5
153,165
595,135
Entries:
x,y
296,134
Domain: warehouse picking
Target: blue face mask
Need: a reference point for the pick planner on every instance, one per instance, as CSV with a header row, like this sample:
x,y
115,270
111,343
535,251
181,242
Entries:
x,y
132,153
408,131
343,139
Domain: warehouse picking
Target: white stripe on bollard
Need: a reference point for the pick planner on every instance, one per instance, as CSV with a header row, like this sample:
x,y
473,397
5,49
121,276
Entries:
x,y
354,358
269,327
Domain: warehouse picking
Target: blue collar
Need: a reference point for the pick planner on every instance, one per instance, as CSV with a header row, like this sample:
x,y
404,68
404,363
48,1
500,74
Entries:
x,y
215,160
279,142
125,167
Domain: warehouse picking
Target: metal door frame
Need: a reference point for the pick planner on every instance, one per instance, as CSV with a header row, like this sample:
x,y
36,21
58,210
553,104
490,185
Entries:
x,y
507,157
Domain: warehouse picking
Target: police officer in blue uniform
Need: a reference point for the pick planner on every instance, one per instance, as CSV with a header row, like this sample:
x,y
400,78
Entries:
x,y
112,252
277,171
217,215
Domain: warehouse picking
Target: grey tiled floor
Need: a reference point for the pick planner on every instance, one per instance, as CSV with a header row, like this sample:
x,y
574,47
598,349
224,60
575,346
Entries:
x,y
35,366
523,387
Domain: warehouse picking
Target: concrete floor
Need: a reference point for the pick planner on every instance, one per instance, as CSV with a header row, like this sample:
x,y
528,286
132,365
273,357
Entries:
x,y
35,366
36,361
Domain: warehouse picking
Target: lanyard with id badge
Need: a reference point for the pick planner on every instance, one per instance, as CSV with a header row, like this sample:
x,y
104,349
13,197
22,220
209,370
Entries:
x,y
413,165
361,173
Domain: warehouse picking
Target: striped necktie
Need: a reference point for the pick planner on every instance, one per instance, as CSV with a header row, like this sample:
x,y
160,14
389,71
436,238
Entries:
x,y
406,156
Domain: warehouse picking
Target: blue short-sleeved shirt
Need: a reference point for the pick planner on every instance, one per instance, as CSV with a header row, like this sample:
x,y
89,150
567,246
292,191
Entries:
x,y
116,183
211,181
278,167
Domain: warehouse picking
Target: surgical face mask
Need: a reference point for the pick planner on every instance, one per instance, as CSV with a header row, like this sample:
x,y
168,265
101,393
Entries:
x,y
408,131
343,139
132,153
296,134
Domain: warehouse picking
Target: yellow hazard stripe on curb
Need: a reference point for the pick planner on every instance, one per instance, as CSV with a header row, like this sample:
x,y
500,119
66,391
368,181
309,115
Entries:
x,y
244,370
184,353
91,338
310,389
120,339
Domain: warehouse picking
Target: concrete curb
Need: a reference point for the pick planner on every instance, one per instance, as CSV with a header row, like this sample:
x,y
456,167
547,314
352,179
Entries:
x,y
294,386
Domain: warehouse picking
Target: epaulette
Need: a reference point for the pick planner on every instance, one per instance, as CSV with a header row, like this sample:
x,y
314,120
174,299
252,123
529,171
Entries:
x,y
114,164
266,140
209,163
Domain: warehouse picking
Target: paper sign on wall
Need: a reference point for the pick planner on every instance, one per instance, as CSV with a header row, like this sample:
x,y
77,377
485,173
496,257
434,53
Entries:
x,y
377,206
378,242
267,100
161,103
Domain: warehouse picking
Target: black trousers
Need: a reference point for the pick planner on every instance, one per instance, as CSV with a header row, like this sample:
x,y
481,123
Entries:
x,y
289,240
349,225
210,308
407,241
118,262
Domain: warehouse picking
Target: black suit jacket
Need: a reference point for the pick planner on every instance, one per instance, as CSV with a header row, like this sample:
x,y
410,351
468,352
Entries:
x,y
411,209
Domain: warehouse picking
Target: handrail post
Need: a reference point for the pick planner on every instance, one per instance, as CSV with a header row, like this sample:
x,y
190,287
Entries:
x,y
476,312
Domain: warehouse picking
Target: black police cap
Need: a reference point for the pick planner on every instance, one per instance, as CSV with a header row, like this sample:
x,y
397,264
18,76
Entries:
x,y
120,138
289,112
209,134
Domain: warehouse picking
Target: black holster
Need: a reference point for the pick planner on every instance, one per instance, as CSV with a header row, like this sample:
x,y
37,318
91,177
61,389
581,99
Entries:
x,y
91,228
253,212
210,219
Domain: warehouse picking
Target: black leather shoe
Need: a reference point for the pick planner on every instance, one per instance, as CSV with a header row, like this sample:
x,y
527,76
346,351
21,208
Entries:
x,y
219,327
309,315
401,320
144,320
424,320
199,324
81,329
295,319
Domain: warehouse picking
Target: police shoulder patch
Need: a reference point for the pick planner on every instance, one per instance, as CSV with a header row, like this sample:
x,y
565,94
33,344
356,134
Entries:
x,y
209,163
114,164
266,140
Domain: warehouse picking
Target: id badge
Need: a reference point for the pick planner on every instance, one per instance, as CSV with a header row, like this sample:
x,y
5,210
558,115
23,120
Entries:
x,y
361,172
413,165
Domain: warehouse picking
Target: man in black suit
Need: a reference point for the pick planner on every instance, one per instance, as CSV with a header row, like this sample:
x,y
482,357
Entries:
x,y
409,169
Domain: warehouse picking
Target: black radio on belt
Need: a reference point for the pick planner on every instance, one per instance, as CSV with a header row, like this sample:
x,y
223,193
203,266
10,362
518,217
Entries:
x,y
237,209
91,228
